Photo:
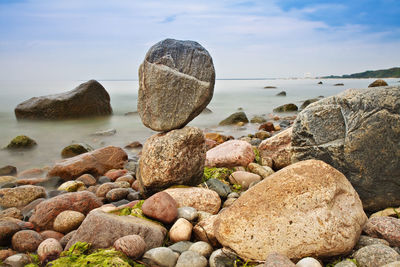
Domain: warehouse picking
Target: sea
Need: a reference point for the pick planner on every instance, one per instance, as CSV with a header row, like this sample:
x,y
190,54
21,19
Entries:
x,y
230,95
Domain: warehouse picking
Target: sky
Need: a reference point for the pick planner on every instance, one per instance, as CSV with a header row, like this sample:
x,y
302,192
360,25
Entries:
x,y
108,39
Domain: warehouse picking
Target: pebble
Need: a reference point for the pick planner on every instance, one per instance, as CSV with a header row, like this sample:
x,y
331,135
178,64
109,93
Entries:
x,y
26,241
203,248
126,178
133,196
229,202
114,174
162,207
223,190
72,186
263,171
387,228
17,260
132,245
120,202
5,253
376,255
123,184
233,195
104,188
244,178
364,241
50,249
51,234
7,230
68,220
117,194
204,230
181,246
161,256
104,179
188,213
180,231
8,170
191,258
221,258
346,263
308,262
277,260
20,196
87,179
11,212
66,238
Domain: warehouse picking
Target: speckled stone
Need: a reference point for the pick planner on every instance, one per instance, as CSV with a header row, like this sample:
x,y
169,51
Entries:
x,y
68,220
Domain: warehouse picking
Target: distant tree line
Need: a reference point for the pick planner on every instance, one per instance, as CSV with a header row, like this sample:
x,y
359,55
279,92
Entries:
x,y
388,73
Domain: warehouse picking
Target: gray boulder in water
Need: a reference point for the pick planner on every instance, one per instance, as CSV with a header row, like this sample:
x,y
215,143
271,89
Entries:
x,y
358,133
88,99
176,82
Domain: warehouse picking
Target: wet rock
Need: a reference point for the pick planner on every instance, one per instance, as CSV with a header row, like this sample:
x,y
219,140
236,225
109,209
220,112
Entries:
x,y
131,245
75,150
277,149
105,188
378,83
203,248
217,137
338,84
180,231
282,93
7,179
108,132
20,196
133,196
268,127
11,212
64,241
114,174
47,211
133,145
161,207
104,179
88,99
278,260
113,227
68,220
308,102
346,263
235,118
126,178
5,253
387,228
176,157
258,119
191,258
26,241
319,207
286,108
161,256
262,135
21,142
229,154
176,83
8,170
345,131
96,163
222,258
117,194
72,186
27,211
50,249
376,255
199,198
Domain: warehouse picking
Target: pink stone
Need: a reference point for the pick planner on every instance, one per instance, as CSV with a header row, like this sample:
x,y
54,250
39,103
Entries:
x,y
161,206
229,154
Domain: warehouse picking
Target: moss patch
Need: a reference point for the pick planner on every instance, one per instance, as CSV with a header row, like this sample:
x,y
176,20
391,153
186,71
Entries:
x,y
134,211
217,173
257,158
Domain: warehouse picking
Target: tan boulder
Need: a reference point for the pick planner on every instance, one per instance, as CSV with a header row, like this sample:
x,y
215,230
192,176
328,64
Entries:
x,y
307,209
230,154
278,149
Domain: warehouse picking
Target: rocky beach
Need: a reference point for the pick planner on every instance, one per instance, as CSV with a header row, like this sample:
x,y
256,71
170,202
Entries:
x,y
313,185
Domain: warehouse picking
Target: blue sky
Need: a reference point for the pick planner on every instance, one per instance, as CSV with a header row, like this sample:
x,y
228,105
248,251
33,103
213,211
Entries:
x,y
75,39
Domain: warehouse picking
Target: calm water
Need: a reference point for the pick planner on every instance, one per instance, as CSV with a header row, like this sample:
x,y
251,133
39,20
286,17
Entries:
x,y
229,95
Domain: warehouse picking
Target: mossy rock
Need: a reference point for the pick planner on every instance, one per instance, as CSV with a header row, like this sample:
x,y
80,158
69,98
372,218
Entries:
x,y
217,173
286,108
378,83
258,119
235,118
21,142
75,150
283,93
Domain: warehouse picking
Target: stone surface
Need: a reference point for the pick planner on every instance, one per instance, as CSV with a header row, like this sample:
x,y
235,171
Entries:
x,y
217,137
235,118
47,211
132,245
286,108
7,230
278,149
5,253
346,263
222,258
21,142
50,249
191,258
115,174
11,212
180,231
378,83
367,240
278,260
112,227
203,248
387,228
64,241
88,99
72,186
20,196
188,213
26,241
95,163
17,260
308,262
161,207
67,221
222,189
263,171
161,256
87,179
103,189
176,157
392,264
357,132
181,246
230,154
244,178
376,255
75,150
199,198
117,194
51,234
204,231
308,102
176,82
8,170
310,209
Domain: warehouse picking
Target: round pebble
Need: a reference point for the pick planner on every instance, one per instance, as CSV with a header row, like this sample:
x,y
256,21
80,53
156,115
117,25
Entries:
x,y
117,194
181,230
132,245
67,221
188,213
50,249
191,258
203,248
160,256
308,262
26,241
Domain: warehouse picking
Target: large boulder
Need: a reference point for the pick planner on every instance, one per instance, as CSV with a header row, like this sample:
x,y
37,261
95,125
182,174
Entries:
x,y
46,211
175,157
358,133
88,99
378,83
20,196
176,82
97,162
102,229
305,209
277,149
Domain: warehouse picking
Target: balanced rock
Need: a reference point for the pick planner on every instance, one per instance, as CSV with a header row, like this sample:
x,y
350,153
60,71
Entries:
x,y
278,149
357,132
175,157
47,211
20,196
378,83
230,154
96,163
176,82
88,99
102,229
305,209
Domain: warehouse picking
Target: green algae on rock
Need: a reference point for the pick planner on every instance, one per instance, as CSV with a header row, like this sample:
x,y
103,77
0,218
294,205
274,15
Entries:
x,y
21,141
217,173
75,150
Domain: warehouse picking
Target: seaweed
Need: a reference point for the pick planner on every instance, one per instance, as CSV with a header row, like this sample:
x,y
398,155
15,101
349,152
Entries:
x,y
217,173
257,158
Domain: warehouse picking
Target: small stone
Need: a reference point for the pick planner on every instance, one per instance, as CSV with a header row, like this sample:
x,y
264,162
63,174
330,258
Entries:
x,y
308,262
8,170
367,240
104,179
258,119
5,253
21,142
376,255
134,144
244,178
203,248
181,246
202,215
132,245
11,212
68,220
282,93
161,206
217,137
263,171
346,263
26,241
122,184
233,195
108,132
72,186
133,196
7,179
50,249
278,260
267,127
17,260
387,228
104,188
191,258
126,178
188,213
221,258
180,231
117,194
286,108
223,190
161,256
235,118
75,150
20,196
120,203
87,179
114,174
262,135
204,230
51,234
